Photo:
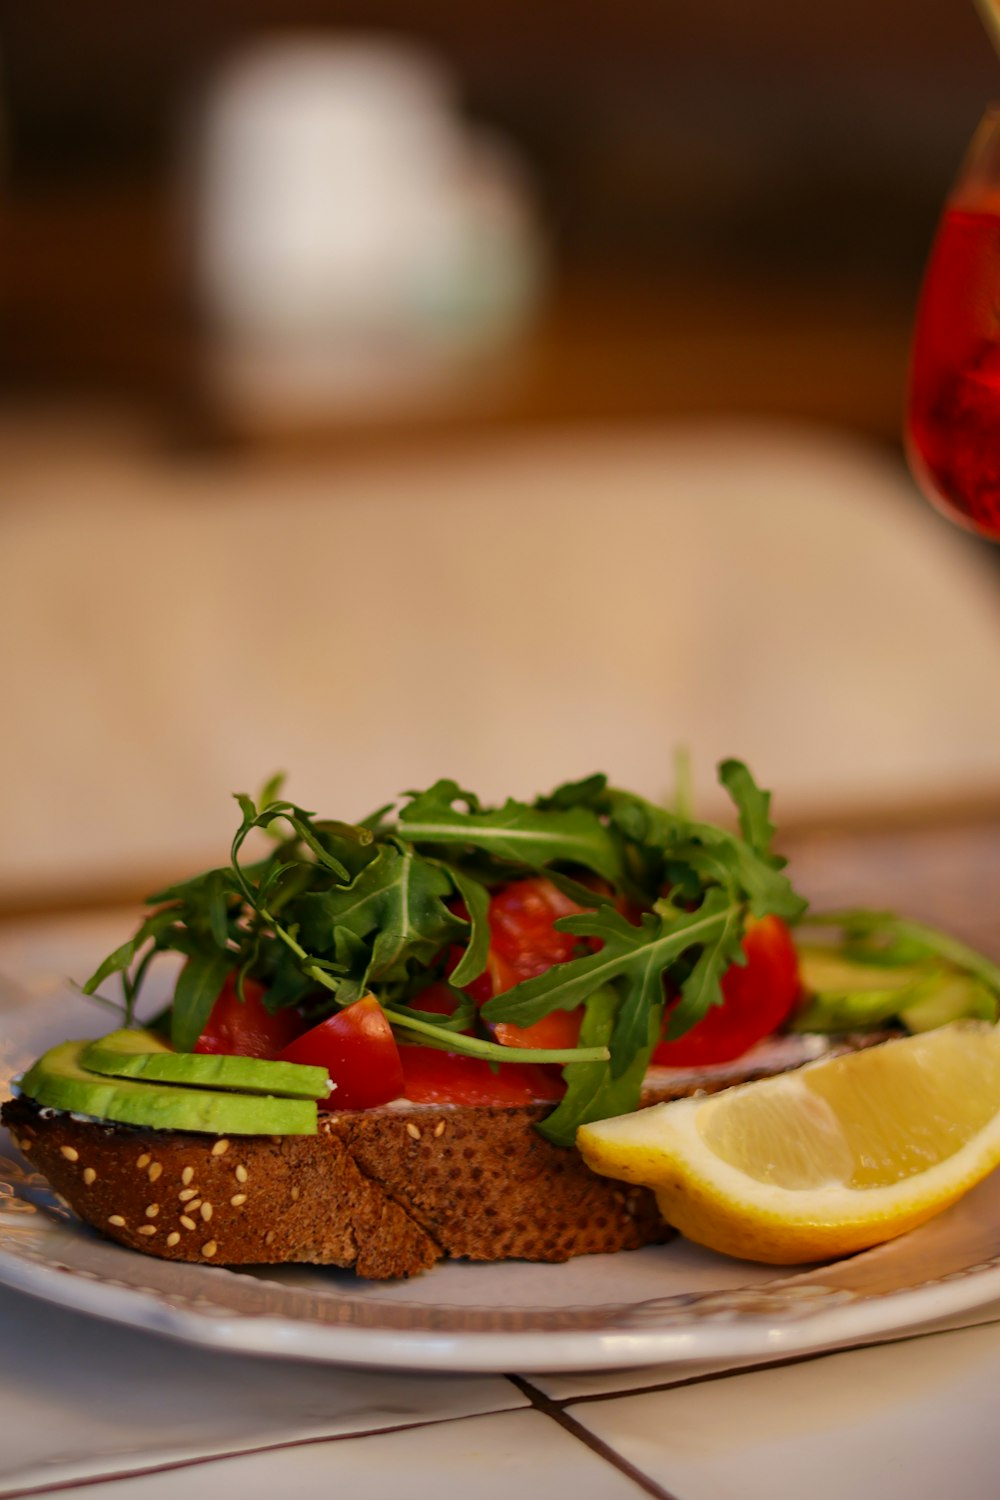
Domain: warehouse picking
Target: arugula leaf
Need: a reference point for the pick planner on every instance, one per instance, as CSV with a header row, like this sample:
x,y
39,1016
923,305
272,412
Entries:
x,y
308,836
302,823
627,951
583,895
592,1091
515,832
269,793
217,891
413,923
428,1033
462,1018
703,987
588,792
752,804
198,986
643,1005
389,920
683,803
586,1083
271,788
123,958
713,855
477,904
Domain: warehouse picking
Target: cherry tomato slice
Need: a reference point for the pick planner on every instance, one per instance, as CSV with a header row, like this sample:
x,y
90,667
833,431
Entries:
x,y
560,1028
433,1077
244,1028
436,1000
524,942
758,997
358,1050
523,938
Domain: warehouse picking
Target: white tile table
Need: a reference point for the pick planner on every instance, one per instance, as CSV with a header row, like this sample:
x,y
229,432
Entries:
x,y
121,1415
914,1420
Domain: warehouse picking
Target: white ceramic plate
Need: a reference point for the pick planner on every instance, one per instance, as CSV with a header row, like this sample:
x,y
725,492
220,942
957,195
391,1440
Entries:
x,y
666,1304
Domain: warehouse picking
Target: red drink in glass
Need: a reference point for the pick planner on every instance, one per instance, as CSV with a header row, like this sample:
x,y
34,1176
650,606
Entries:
x,y
953,425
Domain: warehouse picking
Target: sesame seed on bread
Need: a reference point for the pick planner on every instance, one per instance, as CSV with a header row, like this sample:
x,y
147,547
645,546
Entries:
x,y
384,1192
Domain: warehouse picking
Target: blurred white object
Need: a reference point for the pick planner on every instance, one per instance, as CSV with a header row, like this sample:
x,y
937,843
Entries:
x,y
511,615
356,243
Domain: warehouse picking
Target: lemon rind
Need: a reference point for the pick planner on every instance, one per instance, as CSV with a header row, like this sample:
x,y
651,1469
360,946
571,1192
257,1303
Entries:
x,y
717,1204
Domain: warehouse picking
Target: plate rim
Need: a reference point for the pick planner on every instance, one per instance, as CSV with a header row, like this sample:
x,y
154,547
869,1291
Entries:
x,y
731,1339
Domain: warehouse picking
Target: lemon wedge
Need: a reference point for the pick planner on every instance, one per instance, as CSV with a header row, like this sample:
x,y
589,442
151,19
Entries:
x,y
837,1156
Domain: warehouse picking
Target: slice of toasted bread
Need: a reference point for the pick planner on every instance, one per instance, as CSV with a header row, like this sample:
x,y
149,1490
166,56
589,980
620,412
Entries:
x,y
386,1192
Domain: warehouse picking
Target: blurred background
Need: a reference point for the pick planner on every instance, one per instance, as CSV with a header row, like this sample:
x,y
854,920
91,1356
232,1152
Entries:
x,y
390,391
733,202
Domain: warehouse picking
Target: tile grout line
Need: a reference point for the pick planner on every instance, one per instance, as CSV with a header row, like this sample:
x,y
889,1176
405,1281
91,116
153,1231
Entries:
x,y
537,1399
553,1409
60,1486
590,1398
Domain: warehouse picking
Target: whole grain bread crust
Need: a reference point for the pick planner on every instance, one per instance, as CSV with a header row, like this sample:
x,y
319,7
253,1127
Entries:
x,y
384,1192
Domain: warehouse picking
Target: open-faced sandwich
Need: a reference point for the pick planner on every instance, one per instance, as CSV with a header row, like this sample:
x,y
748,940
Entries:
x,y
385,1036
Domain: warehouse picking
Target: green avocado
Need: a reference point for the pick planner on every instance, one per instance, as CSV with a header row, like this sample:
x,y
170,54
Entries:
x,y
143,1055
59,1080
948,997
826,971
844,995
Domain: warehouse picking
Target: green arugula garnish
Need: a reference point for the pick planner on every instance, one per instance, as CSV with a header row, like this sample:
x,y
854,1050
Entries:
x,y
515,834
333,911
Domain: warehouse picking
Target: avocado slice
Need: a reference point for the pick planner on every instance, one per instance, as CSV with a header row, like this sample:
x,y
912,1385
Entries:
x,y
843,995
59,1080
827,971
948,997
144,1055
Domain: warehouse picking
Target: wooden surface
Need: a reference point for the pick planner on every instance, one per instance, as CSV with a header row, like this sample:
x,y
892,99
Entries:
x,y
93,302
736,200
946,873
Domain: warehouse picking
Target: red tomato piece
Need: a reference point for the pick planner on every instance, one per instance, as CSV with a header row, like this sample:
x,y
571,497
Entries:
x,y
759,996
523,938
357,1048
244,1028
524,942
433,1077
436,1000
560,1028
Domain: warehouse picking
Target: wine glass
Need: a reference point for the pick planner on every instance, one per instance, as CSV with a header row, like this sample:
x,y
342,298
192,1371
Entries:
x,y
953,419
